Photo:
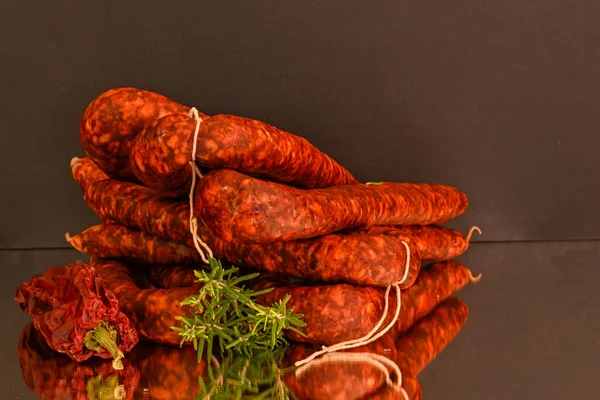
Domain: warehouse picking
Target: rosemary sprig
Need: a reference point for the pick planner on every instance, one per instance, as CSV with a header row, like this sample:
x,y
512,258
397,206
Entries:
x,y
224,311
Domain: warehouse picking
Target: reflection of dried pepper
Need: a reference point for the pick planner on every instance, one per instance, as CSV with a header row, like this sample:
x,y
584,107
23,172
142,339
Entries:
x,y
54,376
76,314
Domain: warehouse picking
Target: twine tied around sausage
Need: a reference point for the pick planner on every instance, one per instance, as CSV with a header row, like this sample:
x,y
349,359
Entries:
x,y
198,243
373,335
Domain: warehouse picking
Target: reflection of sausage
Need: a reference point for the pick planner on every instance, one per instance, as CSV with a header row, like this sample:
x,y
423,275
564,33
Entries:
x,y
120,241
160,154
241,208
331,258
169,372
152,311
435,243
432,334
336,313
114,118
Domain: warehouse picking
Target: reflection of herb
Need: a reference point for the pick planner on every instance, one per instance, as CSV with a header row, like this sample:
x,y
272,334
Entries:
x,y
258,377
225,310
374,183
104,389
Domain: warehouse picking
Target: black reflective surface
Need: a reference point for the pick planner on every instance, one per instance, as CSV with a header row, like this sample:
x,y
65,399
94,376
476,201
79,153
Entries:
x,y
533,330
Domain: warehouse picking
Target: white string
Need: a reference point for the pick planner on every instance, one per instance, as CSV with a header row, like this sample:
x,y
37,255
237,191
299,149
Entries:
x,y
372,335
198,243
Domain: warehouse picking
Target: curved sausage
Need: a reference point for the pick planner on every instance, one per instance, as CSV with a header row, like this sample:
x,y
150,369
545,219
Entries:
x,y
161,152
330,311
119,241
114,118
152,311
241,208
355,257
435,243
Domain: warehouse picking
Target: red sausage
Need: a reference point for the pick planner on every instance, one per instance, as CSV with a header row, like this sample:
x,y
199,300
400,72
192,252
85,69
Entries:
x,y
241,208
435,243
355,257
120,241
152,311
114,118
330,311
161,152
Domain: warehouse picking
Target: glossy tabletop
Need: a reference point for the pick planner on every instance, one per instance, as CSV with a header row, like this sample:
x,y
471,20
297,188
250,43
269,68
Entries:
x,y
533,330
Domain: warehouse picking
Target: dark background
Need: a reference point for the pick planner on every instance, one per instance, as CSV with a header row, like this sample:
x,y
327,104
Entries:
x,y
497,98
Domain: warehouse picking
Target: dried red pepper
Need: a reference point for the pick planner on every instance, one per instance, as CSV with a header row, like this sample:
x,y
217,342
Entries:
x,y
76,314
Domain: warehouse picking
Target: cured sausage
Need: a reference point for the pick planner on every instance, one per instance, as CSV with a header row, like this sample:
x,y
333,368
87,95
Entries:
x,y
114,118
435,243
120,241
166,276
160,153
330,311
152,311
85,170
241,208
354,257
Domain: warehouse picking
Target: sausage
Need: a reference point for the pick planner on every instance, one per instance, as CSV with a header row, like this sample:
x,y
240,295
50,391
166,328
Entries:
x,y
120,241
166,276
241,208
354,257
435,243
85,170
432,334
152,311
161,152
330,311
114,118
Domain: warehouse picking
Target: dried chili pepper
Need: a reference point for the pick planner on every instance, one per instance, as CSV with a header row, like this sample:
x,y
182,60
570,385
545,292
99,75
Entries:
x,y
76,314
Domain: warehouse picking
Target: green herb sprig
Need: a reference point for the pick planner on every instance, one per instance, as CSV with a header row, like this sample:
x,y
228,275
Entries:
x,y
226,311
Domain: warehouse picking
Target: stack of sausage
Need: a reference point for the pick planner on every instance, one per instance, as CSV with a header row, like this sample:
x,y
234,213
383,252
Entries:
x,y
266,200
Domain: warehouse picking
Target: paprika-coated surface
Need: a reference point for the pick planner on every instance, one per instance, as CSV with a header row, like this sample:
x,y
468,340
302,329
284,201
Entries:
x,y
435,243
166,276
113,119
152,311
240,208
330,311
355,257
161,152
120,241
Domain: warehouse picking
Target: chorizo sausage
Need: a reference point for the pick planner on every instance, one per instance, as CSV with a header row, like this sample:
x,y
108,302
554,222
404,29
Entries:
x,y
166,276
152,311
160,153
120,241
85,170
355,257
435,243
330,311
114,118
241,208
